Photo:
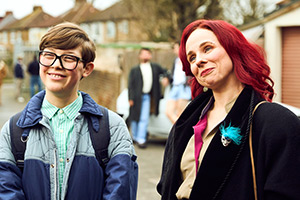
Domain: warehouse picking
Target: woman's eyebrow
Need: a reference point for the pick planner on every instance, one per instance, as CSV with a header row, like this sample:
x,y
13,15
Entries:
x,y
201,45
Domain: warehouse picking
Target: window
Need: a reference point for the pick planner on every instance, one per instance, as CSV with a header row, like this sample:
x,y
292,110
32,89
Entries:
x,y
111,29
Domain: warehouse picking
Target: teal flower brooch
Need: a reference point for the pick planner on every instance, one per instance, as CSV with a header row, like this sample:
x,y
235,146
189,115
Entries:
x,y
229,134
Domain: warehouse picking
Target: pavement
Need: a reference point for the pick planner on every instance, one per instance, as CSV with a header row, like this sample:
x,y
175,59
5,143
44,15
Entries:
x,y
149,159
10,105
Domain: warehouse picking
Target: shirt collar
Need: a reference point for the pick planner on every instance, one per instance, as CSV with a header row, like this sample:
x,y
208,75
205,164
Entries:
x,y
70,110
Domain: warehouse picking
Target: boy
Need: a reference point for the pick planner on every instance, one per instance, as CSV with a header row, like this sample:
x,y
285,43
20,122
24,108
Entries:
x,y
60,160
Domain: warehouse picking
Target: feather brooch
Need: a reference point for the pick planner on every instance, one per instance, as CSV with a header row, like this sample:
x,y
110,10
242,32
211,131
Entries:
x,y
229,134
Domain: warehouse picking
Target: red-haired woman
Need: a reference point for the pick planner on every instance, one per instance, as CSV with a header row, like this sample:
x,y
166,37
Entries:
x,y
207,154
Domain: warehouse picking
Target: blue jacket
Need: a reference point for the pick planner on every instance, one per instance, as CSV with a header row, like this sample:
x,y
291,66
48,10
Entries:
x,y
18,71
83,176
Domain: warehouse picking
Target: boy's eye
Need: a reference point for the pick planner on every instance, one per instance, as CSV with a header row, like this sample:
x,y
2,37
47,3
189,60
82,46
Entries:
x,y
69,58
49,55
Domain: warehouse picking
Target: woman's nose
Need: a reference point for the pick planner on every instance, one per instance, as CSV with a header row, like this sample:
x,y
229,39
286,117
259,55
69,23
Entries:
x,y
200,62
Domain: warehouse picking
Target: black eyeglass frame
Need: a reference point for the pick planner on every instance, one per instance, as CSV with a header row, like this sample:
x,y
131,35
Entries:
x,y
60,61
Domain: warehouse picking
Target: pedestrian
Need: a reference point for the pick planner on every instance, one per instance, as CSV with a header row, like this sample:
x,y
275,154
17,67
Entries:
x,y
209,149
3,72
33,69
180,93
60,160
19,78
144,92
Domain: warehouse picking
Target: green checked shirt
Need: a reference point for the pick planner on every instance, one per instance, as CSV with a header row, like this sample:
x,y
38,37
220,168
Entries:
x,y
62,124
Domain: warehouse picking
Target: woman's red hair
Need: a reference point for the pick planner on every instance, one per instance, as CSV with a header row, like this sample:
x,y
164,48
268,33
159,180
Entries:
x,y
248,59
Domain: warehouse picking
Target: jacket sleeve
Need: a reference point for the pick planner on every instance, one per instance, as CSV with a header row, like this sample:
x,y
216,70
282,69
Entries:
x,y
277,152
122,169
131,85
10,174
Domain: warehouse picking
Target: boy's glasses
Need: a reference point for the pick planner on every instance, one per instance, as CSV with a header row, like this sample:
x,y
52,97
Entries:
x,y
69,62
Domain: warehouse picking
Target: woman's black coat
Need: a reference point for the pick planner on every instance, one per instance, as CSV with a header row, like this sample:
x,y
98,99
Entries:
x,y
225,172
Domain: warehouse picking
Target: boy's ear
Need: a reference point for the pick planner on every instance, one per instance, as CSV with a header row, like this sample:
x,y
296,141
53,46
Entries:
x,y
87,70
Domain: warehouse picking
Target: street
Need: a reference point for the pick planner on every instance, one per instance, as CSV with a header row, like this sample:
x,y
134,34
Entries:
x,y
149,159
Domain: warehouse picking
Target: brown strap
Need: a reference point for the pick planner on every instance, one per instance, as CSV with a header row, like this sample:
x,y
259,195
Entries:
x,y
251,152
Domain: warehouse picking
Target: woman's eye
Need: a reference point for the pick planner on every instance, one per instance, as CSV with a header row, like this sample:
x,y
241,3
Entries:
x,y
207,48
191,59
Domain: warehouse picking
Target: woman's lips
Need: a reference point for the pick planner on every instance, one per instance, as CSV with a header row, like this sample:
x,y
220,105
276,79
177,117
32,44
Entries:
x,y
206,71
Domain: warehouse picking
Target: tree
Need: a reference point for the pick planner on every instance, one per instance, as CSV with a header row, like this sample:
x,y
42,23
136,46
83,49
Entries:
x,y
164,20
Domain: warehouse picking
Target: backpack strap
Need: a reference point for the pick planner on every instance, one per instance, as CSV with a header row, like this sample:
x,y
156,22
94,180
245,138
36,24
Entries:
x,y
100,139
18,145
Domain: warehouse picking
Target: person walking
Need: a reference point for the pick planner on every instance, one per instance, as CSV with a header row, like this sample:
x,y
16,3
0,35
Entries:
x,y
19,78
33,69
180,92
3,72
144,93
61,160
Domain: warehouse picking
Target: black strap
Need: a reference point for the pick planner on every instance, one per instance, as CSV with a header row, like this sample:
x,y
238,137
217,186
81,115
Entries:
x,y
101,139
17,145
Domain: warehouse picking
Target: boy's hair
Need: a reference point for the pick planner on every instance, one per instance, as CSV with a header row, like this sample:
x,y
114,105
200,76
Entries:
x,y
67,36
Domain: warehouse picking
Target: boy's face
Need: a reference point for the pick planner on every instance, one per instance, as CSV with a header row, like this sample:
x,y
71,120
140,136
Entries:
x,y
61,82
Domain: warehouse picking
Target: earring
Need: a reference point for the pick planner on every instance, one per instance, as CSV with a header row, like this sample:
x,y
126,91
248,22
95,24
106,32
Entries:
x,y
205,89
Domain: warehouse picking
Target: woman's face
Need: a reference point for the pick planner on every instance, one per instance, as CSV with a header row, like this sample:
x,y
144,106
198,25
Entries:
x,y
209,62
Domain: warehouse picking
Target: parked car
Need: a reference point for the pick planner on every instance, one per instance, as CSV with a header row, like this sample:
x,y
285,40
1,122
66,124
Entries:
x,y
159,125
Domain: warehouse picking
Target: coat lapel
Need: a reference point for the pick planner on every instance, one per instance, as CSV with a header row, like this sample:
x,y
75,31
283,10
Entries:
x,y
219,160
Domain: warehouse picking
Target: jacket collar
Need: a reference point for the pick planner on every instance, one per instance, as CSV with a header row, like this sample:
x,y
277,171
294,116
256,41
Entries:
x,y
211,177
32,114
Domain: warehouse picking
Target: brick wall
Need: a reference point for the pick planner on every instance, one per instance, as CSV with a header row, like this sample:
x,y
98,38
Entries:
x,y
103,87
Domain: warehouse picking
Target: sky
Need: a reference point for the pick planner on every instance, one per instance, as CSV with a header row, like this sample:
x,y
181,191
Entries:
x,y
21,8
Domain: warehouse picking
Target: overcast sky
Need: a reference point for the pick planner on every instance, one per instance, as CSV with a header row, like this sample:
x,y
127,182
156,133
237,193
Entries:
x,y
21,8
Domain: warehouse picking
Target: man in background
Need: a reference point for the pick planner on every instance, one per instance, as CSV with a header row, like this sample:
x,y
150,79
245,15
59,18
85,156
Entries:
x,y
144,92
19,78
33,70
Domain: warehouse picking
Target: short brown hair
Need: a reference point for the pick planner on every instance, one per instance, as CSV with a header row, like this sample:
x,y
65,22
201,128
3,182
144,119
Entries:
x,y
68,35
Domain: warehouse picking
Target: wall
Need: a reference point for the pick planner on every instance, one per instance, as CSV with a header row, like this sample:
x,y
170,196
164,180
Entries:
x,y
273,45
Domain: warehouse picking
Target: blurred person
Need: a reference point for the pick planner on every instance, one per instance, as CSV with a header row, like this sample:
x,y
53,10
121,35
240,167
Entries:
x,y
180,92
144,93
60,158
226,144
19,78
33,69
3,72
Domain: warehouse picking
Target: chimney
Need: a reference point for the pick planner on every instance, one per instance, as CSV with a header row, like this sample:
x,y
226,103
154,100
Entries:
x,y
8,13
37,8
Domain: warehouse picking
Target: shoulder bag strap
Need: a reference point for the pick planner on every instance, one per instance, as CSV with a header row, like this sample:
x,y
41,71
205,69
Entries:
x,y
251,152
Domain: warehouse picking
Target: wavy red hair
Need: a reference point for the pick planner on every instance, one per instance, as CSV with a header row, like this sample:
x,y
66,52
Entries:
x,y
248,59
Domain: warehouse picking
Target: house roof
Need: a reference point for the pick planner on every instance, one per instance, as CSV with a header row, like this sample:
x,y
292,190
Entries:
x,y
81,12
37,19
117,11
7,19
282,9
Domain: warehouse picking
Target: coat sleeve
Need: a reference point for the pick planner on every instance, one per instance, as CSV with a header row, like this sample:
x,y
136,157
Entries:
x,y
131,85
122,169
277,152
10,174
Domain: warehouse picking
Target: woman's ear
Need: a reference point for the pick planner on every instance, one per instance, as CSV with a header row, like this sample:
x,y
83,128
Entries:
x,y
87,70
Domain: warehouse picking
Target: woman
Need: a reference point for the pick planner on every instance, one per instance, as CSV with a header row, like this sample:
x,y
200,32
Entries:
x,y
207,154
